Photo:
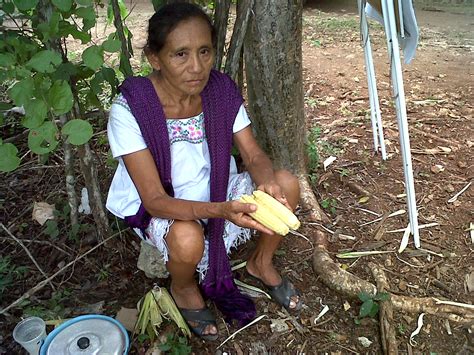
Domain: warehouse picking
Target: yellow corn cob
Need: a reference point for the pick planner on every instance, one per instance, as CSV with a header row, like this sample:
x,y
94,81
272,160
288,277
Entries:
x,y
278,209
265,216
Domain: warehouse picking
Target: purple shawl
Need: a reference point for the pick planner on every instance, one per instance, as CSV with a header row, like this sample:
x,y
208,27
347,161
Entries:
x,y
221,100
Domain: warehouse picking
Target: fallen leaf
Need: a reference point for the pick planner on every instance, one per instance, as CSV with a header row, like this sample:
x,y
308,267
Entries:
x,y
364,199
42,212
346,306
365,342
436,169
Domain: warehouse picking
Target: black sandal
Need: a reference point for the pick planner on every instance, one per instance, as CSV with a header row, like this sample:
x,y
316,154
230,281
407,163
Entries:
x,y
282,293
203,317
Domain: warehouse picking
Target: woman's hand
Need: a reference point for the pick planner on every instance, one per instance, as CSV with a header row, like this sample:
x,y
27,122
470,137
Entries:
x,y
274,190
238,213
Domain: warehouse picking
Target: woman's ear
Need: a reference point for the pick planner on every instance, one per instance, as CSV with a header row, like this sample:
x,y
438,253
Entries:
x,y
153,60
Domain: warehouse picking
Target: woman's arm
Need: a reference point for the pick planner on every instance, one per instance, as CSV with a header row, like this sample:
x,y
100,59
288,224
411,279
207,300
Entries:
x,y
258,164
142,169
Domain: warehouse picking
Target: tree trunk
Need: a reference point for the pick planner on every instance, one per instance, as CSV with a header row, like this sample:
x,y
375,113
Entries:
x,y
221,16
89,172
274,72
273,64
70,176
125,54
233,57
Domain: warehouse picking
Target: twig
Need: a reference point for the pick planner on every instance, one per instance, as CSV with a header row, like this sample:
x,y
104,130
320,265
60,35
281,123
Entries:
x,y
39,286
396,213
419,131
38,242
27,252
239,330
455,197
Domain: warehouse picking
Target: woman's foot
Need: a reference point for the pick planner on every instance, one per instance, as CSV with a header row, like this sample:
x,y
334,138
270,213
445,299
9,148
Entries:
x,y
281,289
189,300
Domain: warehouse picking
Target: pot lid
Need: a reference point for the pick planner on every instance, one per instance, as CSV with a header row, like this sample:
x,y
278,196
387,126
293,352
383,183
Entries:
x,y
89,334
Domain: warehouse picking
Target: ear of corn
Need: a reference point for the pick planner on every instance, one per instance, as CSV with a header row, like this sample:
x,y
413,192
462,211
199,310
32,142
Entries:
x,y
278,209
265,216
153,307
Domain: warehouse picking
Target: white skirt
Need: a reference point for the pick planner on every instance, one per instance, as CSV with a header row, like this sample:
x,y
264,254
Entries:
x,y
234,235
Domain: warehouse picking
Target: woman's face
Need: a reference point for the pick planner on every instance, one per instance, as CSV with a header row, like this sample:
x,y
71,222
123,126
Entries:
x,y
187,57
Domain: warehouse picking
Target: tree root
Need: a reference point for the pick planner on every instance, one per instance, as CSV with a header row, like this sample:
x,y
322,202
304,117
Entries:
x,y
350,285
387,331
309,202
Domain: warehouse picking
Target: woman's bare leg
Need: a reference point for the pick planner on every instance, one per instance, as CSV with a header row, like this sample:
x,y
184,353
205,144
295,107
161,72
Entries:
x,y
260,263
185,242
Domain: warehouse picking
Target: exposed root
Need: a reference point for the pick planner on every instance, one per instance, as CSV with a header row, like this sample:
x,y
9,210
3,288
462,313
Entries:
x,y
350,285
387,331
309,202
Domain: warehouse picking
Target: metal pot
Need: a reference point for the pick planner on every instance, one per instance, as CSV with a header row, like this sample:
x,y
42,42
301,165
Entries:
x,y
88,334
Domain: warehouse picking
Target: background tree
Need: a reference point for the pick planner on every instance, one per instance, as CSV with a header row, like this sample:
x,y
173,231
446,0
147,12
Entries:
x,y
273,66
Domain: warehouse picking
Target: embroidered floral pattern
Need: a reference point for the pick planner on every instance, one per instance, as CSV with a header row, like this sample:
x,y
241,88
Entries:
x,y
190,130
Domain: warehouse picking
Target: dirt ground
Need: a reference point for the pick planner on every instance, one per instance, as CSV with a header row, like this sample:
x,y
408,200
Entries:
x,y
439,87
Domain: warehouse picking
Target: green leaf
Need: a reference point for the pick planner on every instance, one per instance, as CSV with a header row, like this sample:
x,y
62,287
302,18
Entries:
x,y
112,45
44,61
382,296
78,131
8,7
366,308
5,106
84,2
60,97
24,5
52,228
50,29
374,310
364,297
86,13
63,5
64,72
8,158
157,4
22,91
36,112
93,57
7,60
43,140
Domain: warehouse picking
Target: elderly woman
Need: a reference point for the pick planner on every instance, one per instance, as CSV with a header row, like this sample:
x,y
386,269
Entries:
x,y
177,183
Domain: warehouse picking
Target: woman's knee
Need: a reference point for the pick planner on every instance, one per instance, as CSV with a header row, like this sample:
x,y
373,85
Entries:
x,y
290,185
185,242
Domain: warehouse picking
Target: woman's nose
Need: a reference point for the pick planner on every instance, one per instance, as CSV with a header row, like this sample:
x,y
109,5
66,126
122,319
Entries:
x,y
196,64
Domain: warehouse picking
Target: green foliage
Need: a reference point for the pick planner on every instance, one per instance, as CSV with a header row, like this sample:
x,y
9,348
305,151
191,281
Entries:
x,y
176,345
9,273
35,67
329,204
53,308
370,306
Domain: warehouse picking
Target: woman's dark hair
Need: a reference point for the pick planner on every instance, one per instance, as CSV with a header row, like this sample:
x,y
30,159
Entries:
x,y
167,18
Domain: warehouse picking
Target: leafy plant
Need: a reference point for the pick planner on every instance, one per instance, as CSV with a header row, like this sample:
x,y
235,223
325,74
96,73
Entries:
x,y
370,304
9,273
176,345
52,309
329,204
42,80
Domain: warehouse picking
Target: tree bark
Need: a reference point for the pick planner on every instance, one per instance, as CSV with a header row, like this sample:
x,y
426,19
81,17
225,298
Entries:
x,y
221,16
350,285
89,172
233,57
125,55
273,64
70,176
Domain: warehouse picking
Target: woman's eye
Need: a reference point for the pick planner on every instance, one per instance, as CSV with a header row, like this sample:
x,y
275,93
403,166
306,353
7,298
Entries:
x,y
180,54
